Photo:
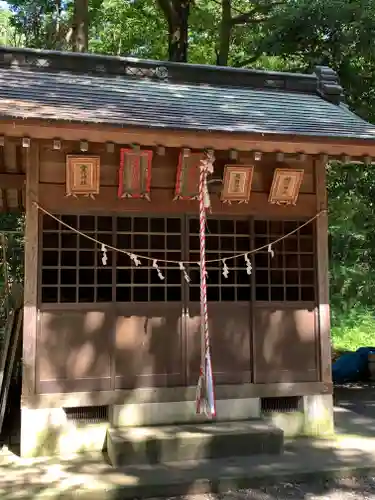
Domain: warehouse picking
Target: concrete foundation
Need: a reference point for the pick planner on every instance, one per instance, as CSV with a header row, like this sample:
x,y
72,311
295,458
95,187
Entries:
x,y
182,443
48,432
318,415
146,414
292,423
315,418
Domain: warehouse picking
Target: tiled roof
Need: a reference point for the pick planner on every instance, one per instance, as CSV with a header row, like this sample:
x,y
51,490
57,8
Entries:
x,y
279,104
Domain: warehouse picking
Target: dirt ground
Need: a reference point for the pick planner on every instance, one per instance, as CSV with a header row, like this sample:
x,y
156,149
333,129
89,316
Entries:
x,y
343,489
359,398
355,419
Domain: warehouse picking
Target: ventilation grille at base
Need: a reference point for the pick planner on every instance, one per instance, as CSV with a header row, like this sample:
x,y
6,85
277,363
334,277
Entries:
x,y
287,404
87,414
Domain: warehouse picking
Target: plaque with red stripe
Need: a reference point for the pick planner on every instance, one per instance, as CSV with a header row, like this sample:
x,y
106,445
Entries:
x,y
187,181
135,173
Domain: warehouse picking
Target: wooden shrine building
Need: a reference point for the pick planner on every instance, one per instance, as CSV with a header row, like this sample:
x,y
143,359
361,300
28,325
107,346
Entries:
x,y
103,154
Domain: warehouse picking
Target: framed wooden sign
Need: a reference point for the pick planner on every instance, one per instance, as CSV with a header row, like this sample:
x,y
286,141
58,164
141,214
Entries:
x,y
82,175
237,183
285,186
187,179
135,173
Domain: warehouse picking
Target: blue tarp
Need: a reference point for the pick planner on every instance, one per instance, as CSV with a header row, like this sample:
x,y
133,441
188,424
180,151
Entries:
x,y
352,366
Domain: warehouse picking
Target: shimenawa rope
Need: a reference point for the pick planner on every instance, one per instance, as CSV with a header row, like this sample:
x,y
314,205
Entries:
x,y
205,400
132,255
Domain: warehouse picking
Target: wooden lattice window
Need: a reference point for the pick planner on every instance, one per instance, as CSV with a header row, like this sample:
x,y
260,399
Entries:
x,y
224,238
289,275
73,272
72,268
159,238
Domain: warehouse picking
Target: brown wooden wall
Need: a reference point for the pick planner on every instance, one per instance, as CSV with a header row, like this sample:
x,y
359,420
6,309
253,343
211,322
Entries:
x,y
52,180
12,176
111,345
157,346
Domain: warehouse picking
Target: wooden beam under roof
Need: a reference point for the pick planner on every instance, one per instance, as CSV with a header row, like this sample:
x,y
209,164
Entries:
x,y
37,129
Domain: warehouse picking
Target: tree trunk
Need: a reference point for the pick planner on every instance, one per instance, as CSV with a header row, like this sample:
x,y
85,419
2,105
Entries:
x,y
57,29
81,26
177,13
225,33
178,35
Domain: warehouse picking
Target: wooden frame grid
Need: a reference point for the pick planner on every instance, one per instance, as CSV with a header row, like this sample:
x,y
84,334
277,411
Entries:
x,y
72,268
151,237
288,276
224,238
72,271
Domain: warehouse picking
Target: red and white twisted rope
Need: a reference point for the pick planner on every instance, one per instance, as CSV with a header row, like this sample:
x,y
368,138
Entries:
x,y
205,392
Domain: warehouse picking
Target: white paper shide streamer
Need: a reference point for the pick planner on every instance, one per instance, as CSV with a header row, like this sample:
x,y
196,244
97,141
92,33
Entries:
x,y
103,249
225,269
135,259
185,274
270,251
249,267
156,267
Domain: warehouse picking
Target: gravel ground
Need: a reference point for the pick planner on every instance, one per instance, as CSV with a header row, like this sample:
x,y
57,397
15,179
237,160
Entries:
x,y
340,489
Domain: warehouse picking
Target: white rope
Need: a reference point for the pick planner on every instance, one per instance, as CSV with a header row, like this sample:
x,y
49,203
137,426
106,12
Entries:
x,y
136,258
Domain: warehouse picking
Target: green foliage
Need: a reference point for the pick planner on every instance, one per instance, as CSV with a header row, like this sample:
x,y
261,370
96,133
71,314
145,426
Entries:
x,y
335,33
125,27
352,237
40,24
11,248
9,36
352,246
353,329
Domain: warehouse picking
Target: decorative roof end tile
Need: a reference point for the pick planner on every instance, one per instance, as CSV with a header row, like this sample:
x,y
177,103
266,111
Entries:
x,y
328,85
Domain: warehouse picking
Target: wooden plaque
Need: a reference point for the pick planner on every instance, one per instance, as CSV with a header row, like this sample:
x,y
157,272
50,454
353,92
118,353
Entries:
x,y
82,175
285,186
237,183
188,171
135,173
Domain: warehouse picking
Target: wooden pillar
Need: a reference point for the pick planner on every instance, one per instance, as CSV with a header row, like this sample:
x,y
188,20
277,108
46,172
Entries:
x,y
31,159
322,261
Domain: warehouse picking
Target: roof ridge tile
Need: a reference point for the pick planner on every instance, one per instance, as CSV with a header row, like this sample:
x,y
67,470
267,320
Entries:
x,y
129,67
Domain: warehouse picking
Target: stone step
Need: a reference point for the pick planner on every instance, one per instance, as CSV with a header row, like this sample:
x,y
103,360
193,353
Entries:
x,y
162,444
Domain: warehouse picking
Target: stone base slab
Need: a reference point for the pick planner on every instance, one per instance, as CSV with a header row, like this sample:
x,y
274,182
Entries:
x,y
48,432
316,418
318,415
176,443
91,478
146,414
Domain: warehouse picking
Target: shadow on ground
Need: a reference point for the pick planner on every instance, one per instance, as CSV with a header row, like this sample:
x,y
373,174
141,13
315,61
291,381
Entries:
x,y
314,464
355,410
307,468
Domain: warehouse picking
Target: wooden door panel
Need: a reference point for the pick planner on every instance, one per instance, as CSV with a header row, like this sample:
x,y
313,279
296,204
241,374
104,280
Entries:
x,y
148,346
229,327
73,351
285,345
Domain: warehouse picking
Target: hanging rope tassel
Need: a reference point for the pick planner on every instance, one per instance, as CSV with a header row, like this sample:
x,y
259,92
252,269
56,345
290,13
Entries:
x,y
205,398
